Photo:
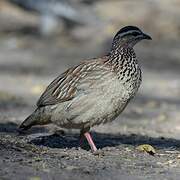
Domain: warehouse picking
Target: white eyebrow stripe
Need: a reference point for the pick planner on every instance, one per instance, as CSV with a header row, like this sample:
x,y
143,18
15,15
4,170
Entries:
x,y
129,32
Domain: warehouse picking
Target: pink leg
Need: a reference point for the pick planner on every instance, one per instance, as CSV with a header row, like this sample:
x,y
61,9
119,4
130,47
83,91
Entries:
x,y
90,141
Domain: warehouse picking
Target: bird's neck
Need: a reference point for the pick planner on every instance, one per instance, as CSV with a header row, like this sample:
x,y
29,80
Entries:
x,y
122,43
123,61
120,52
120,57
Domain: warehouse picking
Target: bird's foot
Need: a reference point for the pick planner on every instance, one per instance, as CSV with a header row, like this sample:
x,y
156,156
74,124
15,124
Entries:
x,y
99,153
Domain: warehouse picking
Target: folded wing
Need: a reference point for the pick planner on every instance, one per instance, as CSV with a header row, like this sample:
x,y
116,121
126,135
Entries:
x,y
66,86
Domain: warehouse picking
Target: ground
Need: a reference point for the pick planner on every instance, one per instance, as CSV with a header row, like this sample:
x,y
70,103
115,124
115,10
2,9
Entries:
x,y
28,64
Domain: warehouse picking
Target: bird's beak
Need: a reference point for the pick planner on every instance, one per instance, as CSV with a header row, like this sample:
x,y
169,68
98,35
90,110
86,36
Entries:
x,y
145,36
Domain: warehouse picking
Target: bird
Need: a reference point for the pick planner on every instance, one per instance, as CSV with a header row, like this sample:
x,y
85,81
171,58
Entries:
x,y
93,92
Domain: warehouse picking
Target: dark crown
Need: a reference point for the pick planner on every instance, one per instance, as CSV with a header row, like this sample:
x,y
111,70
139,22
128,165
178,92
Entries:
x,y
128,30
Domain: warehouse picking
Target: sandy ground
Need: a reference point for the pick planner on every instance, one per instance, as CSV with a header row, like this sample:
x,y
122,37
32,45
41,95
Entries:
x,y
28,64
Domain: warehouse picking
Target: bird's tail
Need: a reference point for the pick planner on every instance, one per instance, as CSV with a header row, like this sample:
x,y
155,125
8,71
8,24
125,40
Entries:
x,y
40,116
29,121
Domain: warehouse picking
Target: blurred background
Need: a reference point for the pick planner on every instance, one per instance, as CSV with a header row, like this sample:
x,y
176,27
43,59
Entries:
x,y
39,39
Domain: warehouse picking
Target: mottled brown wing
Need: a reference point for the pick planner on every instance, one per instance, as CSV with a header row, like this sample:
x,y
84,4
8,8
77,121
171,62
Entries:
x,y
64,87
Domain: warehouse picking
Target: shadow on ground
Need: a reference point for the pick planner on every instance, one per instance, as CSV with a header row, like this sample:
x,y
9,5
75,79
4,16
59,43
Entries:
x,y
102,140
105,140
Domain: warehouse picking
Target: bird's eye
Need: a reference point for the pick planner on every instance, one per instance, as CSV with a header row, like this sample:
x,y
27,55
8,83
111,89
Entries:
x,y
135,33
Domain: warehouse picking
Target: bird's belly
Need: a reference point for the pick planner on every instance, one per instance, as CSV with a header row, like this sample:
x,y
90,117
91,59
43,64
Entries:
x,y
99,106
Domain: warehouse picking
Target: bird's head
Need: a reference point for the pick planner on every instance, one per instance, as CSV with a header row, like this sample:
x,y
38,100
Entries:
x,y
129,36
